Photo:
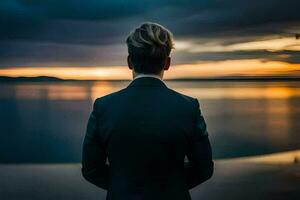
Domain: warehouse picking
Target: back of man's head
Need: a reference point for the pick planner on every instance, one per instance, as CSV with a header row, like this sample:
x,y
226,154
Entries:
x,y
148,47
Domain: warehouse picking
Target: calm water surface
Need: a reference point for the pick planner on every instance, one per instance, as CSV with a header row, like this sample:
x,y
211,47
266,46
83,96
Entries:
x,y
45,122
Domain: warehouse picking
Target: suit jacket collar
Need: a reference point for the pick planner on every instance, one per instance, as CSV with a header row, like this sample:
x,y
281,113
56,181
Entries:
x,y
139,75
147,81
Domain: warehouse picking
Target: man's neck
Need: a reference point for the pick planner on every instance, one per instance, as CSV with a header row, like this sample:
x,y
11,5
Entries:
x,y
139,75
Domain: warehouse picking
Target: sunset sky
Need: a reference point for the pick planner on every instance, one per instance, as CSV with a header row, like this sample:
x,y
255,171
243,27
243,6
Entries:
x,y
75,39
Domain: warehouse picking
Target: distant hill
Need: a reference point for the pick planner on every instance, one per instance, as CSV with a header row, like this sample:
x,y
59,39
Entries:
x,y
31,79
43,79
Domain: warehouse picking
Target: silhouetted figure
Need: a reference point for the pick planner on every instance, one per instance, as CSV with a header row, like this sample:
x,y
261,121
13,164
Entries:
x,y
146,130
297,35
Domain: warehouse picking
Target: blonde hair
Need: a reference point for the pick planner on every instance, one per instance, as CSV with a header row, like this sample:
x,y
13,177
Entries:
x,y
148,47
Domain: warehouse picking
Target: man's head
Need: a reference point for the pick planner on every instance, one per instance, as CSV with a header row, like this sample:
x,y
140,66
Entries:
x,y
149,48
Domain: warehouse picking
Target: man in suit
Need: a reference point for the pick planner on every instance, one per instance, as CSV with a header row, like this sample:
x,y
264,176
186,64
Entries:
x,y
137,138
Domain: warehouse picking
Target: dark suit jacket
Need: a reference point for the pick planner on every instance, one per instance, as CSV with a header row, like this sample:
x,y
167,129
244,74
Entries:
x,y
137,139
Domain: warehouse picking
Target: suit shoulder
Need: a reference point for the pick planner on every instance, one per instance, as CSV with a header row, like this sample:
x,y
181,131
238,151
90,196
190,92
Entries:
x,y
183,97
108,97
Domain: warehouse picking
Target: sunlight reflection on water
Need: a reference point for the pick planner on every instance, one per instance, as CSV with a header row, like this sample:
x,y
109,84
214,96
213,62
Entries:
x,y
201,90
243,118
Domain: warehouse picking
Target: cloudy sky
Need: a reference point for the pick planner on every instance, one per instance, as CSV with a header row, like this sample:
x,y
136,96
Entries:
x,y
86,39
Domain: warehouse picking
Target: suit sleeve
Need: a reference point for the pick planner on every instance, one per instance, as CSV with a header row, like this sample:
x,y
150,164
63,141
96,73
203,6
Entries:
x,y
200,166
94,168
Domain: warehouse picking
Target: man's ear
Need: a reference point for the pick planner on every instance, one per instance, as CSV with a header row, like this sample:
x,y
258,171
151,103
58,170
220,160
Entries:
x,y
129,63
167,63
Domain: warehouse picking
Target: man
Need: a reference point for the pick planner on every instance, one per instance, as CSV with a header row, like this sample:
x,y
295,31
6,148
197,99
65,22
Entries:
x,y
146,129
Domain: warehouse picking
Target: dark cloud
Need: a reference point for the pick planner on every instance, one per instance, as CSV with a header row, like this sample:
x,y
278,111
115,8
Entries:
x,y
55,54
70,31
244,17
65,20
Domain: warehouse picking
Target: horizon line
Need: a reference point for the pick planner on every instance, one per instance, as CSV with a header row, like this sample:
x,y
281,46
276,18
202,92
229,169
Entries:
x,y
216,78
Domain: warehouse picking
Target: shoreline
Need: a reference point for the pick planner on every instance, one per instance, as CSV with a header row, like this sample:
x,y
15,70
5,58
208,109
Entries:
x,y
286,157
273,176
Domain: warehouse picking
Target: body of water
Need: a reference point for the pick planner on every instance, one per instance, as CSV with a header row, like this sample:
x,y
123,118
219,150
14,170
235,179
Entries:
x,y
46,122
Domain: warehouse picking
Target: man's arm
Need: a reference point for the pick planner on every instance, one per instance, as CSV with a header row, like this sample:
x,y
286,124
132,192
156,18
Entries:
x,y
200,166
94,168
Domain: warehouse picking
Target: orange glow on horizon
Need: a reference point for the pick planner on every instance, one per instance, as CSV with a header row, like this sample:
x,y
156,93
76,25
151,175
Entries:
x,y
78,73
250,67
